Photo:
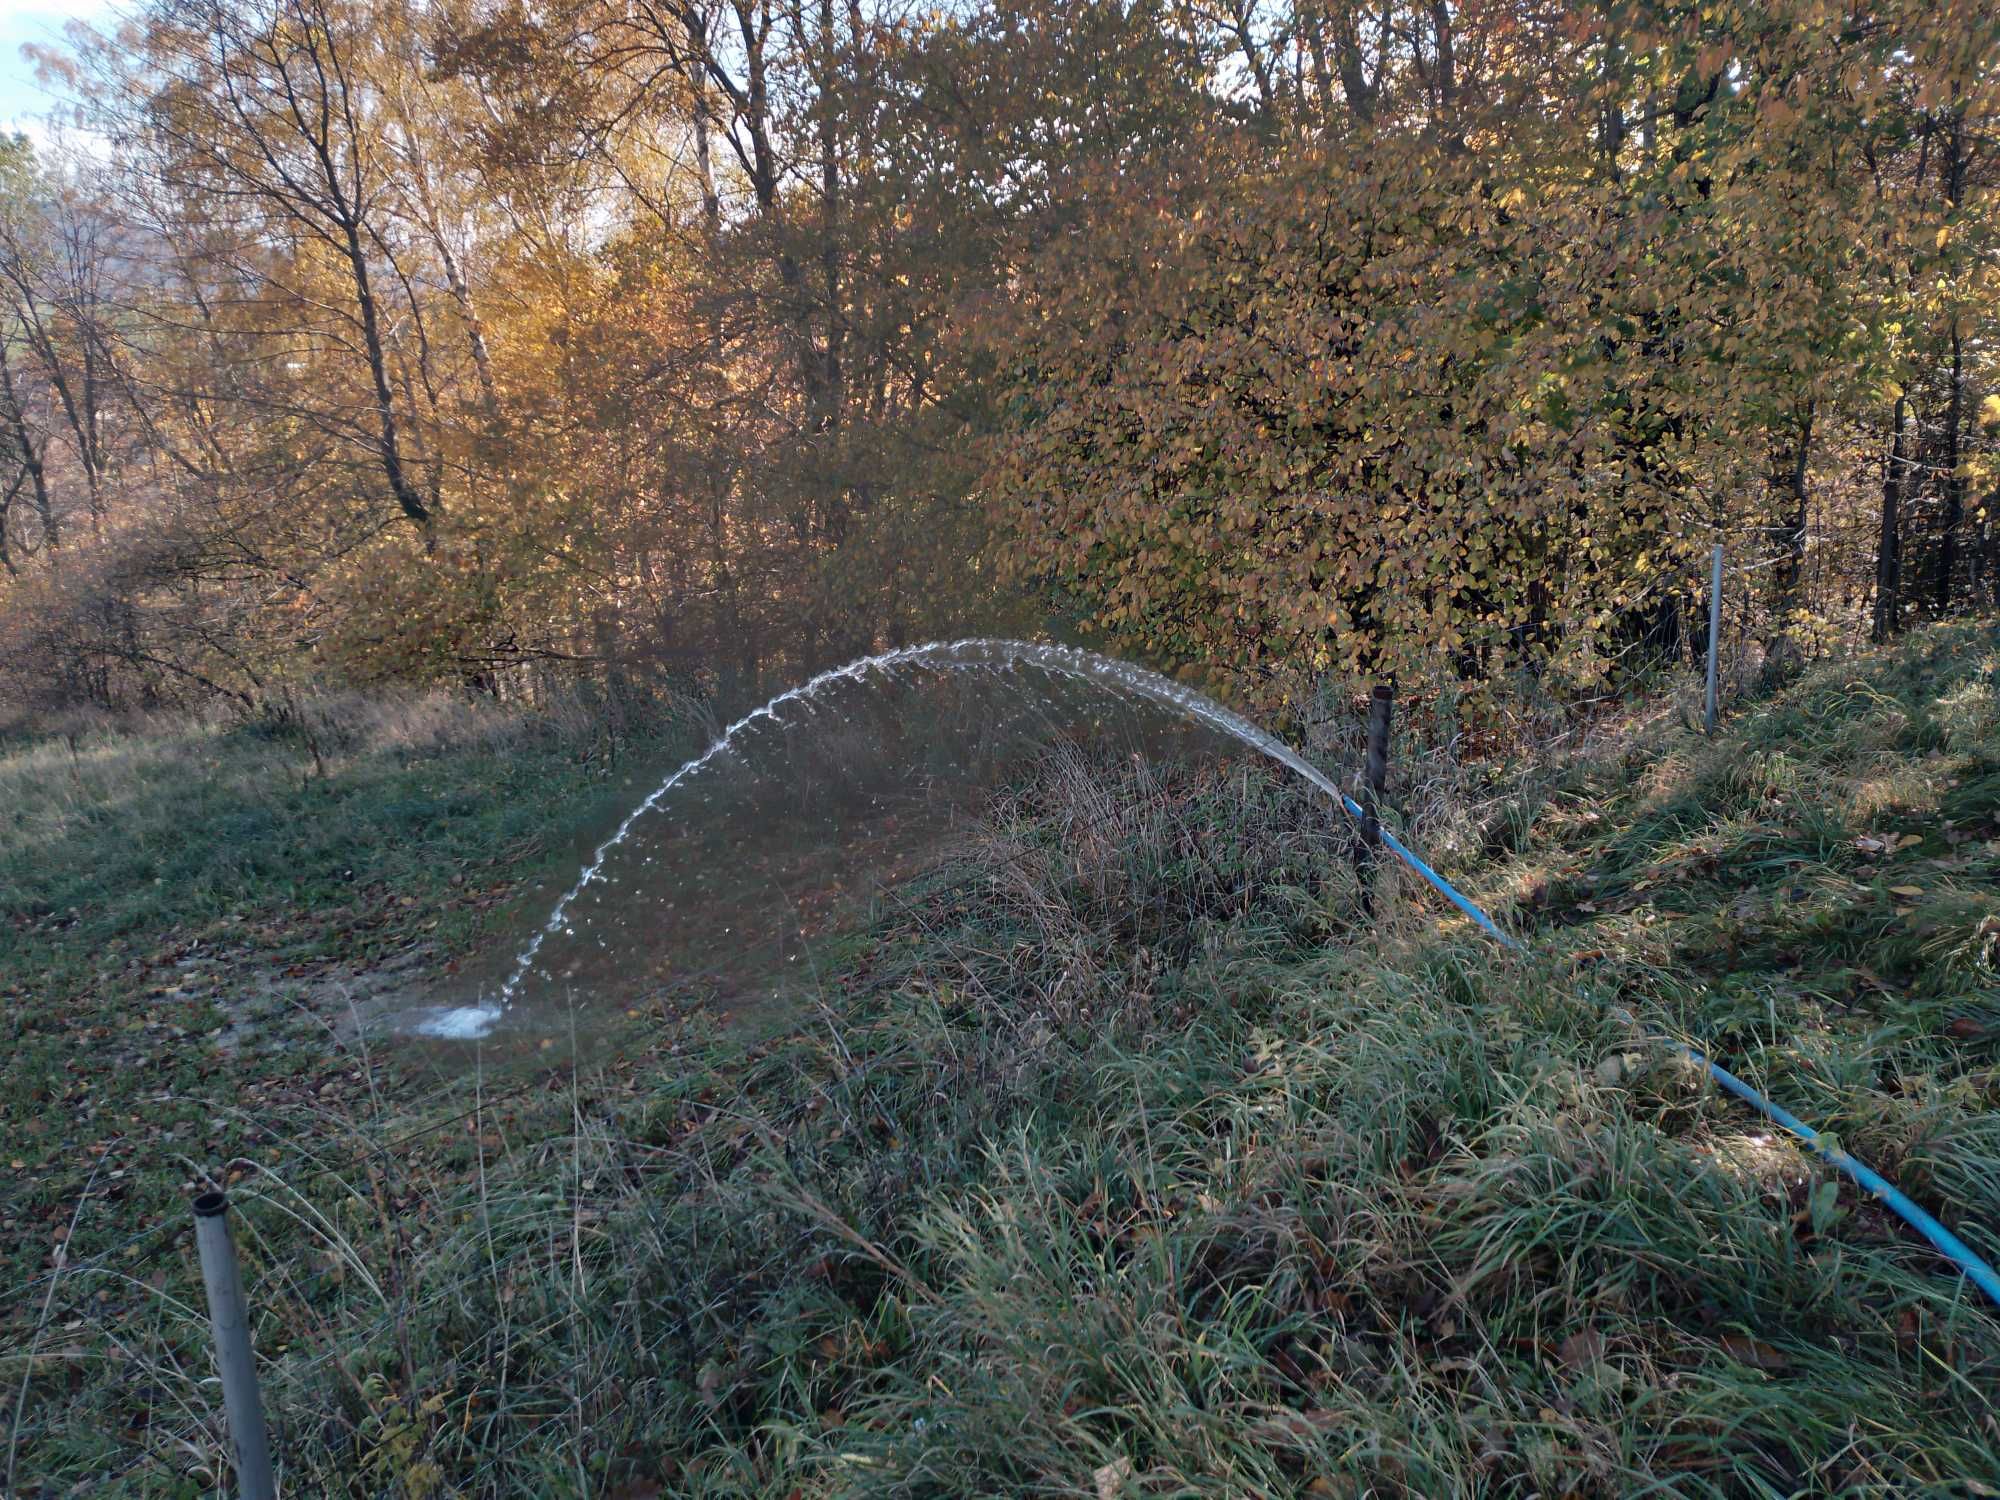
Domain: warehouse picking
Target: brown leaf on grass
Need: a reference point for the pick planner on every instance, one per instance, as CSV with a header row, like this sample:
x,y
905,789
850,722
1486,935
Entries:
x,y
1324,1488
1965,1029
712,1383
1619,1065
1288,1427
1753,1352
1110,1480
1582,1350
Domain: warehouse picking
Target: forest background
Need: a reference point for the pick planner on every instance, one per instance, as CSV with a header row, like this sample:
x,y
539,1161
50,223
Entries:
x,y
643,346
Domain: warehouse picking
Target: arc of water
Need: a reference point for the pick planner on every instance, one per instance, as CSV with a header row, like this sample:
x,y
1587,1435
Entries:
x,y
854,670
975,652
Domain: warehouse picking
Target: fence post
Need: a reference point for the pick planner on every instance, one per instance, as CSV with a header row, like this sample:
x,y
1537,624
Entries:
x,y
229,1317
1375,775
1714,634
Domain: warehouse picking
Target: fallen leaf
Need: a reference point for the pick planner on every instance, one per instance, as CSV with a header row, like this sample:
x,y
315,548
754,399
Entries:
x,y
1906,890
709,1383
1753,1352
1110,1479
1287,1427
1323,1488
1582,1349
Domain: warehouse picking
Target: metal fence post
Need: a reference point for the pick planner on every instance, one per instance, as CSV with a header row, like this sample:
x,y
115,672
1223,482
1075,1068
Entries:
x,y
1375,775
1714,635
229,1316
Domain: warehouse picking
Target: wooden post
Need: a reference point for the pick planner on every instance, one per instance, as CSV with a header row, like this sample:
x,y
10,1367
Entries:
x,y
229,1317
1714,635
1375,776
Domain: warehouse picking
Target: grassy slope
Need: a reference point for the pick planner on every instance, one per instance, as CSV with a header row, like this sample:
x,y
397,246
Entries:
x,y
1123,1159
160,892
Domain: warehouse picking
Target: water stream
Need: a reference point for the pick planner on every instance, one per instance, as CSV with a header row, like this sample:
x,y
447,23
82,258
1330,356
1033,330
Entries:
x,y
721,880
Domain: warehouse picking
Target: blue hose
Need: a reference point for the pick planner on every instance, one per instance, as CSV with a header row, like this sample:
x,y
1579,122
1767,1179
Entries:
x,y
1410,859
1948,1244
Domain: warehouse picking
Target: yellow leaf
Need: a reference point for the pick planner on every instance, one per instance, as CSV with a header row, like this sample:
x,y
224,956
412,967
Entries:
x,y
1906,890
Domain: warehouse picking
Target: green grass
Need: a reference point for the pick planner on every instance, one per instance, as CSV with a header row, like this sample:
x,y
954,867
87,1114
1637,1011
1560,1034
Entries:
x,y
107,842
170,890
1122,1157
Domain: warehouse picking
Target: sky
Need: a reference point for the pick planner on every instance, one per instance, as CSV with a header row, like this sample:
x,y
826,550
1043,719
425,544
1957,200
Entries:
x,y
22,99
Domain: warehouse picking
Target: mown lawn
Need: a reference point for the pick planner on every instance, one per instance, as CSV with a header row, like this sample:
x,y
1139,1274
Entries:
x,y
1123,1157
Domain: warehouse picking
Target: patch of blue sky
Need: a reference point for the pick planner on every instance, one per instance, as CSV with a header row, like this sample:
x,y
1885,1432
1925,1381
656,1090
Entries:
x,y
26,100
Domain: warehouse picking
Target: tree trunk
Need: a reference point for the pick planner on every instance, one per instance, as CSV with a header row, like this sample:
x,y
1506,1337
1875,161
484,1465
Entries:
x,y
31,458
1788,474
388,445
1789,460
461,293
6,510
704,163
1889,549
1359,89
1989,509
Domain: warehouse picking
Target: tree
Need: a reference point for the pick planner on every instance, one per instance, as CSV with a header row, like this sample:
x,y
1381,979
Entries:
x,y
263,114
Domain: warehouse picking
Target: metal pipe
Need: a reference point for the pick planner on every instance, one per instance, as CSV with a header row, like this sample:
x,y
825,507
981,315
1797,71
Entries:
x,y
1374,777
229,1317
1714,635
1381,705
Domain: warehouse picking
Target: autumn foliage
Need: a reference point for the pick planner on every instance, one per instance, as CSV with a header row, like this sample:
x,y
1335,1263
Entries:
x,y
724,339
1481,376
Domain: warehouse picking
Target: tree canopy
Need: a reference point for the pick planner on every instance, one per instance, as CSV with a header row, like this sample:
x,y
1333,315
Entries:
x,y
508,342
